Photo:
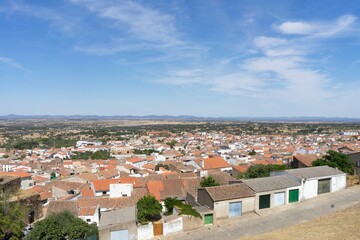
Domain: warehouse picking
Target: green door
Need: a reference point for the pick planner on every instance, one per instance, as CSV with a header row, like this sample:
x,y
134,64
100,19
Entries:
x,y
264,201
208,219
293,195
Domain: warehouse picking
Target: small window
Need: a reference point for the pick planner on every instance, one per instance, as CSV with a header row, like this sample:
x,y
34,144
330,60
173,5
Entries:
x,y
104,192
88,220
124,195
358,163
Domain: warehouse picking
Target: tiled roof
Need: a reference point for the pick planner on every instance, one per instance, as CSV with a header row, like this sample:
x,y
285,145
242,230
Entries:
x,y
133,180
228,192
104,184
213,163
59,206
167,188
87,211
306,159
87,193
241,168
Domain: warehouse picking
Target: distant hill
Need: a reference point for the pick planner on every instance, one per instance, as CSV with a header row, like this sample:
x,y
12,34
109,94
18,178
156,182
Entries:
x,y
181,118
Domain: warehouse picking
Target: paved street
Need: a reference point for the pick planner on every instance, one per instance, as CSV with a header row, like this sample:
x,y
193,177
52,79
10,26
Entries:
x,y
273,219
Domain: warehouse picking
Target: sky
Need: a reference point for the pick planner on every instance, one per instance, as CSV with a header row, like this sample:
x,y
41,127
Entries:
x,y
230,58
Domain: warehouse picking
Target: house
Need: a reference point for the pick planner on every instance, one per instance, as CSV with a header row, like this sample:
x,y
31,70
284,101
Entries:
x,y
239,170
136,162
58,206
316,180
90,214
303,160
120,190
355,159
216,162
227,201
26,178
118,224
102,186
273,191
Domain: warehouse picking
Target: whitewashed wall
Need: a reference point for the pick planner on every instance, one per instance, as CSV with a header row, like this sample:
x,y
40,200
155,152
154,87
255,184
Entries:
x,y
338,183
145,232
309,189
173,226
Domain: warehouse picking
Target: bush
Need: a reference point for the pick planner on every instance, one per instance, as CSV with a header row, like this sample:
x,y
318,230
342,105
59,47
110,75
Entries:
x,y
148,209
209,182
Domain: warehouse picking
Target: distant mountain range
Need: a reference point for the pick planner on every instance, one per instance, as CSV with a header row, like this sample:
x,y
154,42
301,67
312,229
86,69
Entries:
x,y
181,118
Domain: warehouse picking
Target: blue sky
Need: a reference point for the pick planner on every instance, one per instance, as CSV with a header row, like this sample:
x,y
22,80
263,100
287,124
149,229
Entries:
x,y
204,58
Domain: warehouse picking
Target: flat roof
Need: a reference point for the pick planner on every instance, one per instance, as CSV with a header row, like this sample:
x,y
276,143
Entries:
x,y
315,172
270,183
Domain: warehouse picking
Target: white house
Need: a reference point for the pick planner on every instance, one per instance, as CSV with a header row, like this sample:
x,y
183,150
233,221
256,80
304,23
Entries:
x,y
121,190
90,214
316,180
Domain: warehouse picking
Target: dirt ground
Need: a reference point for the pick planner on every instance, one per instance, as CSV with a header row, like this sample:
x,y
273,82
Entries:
x,y
337,226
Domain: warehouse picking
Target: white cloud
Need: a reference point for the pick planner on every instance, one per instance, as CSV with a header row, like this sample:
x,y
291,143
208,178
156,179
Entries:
x,y
57,19
320,29
143,23
281,71
10,62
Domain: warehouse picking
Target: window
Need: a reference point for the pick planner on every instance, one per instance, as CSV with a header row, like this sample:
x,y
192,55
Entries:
x,y
358,163
124,195
88,220
104,192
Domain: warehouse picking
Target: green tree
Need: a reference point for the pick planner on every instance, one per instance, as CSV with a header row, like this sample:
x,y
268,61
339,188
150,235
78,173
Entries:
x,y
101,154
172,143
252,152
12,216
209,182
260,170
335,160
63,225
159,165
53,175
148,209
185,209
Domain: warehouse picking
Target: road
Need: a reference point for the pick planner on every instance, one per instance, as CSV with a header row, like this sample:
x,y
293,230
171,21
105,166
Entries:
x,y
273,219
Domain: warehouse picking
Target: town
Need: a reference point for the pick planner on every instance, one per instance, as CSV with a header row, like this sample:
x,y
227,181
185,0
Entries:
x,y
140,179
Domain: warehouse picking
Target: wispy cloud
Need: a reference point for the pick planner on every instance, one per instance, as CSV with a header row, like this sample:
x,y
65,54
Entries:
x,y
57,18
319,29
144,23
279,68
12,63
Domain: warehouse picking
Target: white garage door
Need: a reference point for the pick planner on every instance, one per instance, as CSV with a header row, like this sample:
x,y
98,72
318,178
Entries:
x,y
119,235
279,198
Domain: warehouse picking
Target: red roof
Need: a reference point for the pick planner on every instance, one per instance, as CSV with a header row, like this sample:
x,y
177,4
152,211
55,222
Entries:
x,y
104,184
213,163
16,174
87,193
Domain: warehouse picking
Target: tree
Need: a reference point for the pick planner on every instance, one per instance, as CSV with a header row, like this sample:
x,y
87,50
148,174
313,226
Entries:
x,y
185,209
53,175
62,226
209,182
12,215
172,143
335,160
260,170
101,154
148,209
252,152
159,165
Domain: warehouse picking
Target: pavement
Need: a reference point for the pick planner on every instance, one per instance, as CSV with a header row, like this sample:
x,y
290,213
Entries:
x,y
272,219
